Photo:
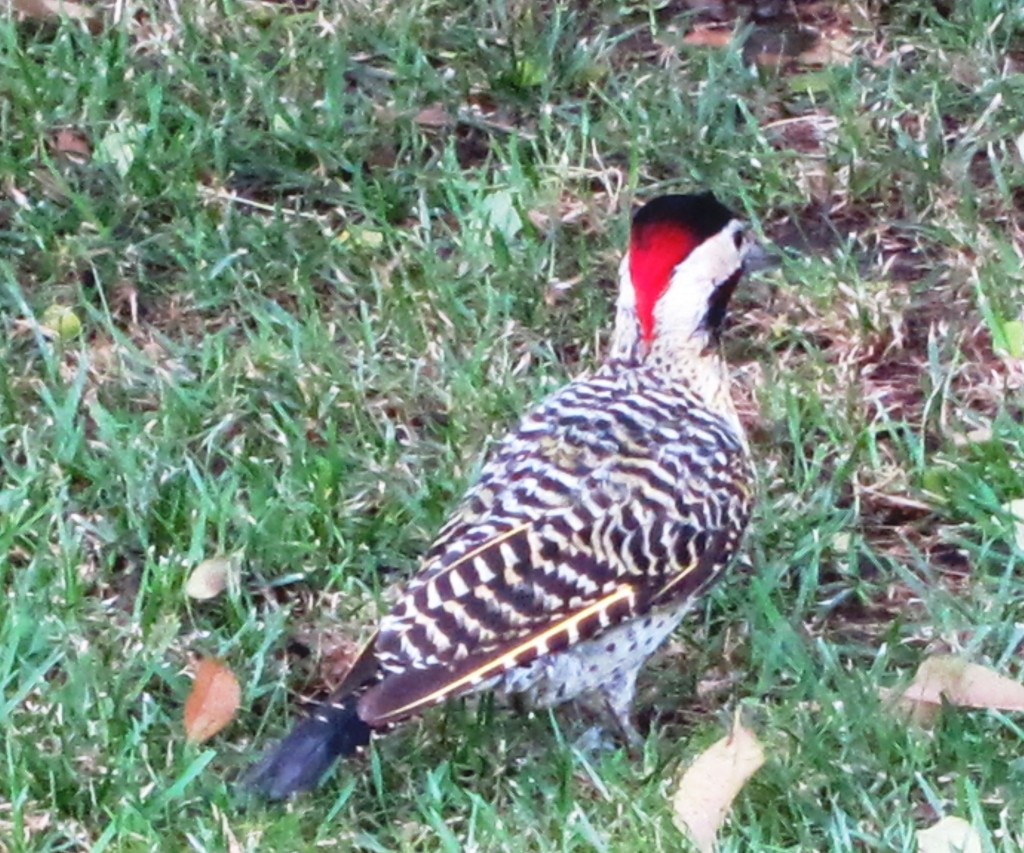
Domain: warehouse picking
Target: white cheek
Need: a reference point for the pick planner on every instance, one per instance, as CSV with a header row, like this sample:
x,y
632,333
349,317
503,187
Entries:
x,y
682,308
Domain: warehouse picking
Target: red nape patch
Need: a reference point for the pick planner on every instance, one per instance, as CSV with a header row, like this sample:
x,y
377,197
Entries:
x,y
654,252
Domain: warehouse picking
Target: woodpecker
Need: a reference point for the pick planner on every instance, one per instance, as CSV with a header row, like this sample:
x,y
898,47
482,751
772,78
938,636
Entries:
x,y
592,529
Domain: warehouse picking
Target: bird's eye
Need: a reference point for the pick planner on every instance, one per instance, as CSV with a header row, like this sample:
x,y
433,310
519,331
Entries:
x,y
737,239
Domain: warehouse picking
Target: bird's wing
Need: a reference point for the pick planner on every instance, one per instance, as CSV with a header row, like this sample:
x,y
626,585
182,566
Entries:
x,y
573,527
454,648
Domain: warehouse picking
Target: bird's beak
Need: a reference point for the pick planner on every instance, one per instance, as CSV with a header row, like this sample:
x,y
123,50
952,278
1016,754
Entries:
x,y
757,258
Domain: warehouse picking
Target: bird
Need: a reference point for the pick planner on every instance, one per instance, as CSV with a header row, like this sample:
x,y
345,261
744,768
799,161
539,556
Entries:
x,y
594,526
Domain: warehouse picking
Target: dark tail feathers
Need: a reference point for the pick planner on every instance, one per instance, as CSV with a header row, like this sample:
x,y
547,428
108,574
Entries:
x,y
299,761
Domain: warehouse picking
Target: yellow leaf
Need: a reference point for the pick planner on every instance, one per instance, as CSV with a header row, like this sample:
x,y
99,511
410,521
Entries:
x,y
962,683
949,835
211,577
63,322
214,699
712,782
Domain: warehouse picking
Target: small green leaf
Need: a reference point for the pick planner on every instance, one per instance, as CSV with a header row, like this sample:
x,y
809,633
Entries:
x,y
62,321
530,73
120,145
934,482
1013,333
501,215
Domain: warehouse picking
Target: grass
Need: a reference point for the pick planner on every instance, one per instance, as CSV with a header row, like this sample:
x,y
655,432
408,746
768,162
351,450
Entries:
x,y
322,253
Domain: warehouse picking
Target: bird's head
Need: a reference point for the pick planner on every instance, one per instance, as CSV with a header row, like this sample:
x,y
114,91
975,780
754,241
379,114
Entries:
x,y
686,256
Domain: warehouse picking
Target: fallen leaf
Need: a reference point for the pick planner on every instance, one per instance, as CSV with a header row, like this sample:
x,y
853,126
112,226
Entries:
x,y
211,577
708,36
61,321
72,144
120,145
958,682
434,116
53,9
214,699
949,835
712,782
500,213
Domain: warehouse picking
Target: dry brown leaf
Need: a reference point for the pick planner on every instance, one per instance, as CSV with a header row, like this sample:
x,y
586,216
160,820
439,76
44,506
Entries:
x,y
72,144
708,36
766,48
949,835
962,683
919,714
211,577
712,782
53,9
214,699
434,116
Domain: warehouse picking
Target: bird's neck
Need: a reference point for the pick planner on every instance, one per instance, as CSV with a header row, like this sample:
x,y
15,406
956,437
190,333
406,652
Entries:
x,y
675,353
691,361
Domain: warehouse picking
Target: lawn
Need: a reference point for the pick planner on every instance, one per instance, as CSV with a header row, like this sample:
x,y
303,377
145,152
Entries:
x,y
323,253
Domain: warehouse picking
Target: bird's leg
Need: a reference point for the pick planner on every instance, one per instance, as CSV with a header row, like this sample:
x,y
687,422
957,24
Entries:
x,y
630,733
618,695
519,703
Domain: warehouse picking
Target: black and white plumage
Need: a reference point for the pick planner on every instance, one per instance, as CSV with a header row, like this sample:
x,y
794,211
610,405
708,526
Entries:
x,y
593,527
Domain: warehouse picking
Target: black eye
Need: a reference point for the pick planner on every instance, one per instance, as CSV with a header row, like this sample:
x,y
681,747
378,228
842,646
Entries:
x,y
737,239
